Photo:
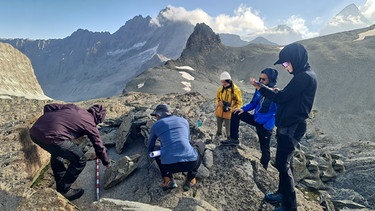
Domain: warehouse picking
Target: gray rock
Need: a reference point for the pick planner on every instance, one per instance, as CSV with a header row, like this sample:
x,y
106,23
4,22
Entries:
x,y
211,147
109,139
347,204
312,166
107,204
123,133
203,172
208,159
313,184
90,154
119,171
189,203
338,166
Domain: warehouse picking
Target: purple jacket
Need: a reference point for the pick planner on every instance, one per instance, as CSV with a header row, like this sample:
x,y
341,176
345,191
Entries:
x,y
68,122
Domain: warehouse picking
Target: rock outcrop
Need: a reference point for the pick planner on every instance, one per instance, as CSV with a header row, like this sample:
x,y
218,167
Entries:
x,y
232,178
17,75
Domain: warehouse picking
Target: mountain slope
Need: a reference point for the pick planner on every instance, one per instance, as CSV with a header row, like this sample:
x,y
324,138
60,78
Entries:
x,y
90,65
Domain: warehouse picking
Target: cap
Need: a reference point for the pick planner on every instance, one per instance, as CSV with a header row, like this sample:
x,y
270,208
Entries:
x,y
162,110
225,76
282,58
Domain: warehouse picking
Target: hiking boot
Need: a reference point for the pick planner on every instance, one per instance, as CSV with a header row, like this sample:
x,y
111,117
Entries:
x,y
168,184
189,184
231,142
73,194
274,197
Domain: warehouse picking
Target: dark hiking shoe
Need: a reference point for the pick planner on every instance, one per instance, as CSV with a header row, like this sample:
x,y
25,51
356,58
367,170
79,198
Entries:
x,y
189,184
168,184
274,197
230,142
73,194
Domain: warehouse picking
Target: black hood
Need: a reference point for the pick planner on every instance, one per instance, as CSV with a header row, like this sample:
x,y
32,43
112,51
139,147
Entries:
x,y
296,54
272,76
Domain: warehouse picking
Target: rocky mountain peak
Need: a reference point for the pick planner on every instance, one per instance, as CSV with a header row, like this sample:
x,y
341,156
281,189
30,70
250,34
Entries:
x,y
347,19
203,38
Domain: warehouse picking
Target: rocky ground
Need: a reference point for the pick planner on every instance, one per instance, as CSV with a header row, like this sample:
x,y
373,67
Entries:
x,y
230,179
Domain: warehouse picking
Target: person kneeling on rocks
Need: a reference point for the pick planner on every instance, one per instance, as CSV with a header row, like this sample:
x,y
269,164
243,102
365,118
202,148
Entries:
x,y
54,132
177,154
263,118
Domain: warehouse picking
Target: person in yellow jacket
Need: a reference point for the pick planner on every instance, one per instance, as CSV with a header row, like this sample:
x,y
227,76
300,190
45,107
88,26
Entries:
x,y
228,98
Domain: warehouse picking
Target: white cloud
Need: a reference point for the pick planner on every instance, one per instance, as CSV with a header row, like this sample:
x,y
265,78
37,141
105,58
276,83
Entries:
x,y
181,14
298,25
352,20
368,10
244,20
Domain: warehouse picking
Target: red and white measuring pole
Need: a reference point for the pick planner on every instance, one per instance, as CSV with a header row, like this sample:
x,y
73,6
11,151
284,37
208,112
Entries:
x,y
97,179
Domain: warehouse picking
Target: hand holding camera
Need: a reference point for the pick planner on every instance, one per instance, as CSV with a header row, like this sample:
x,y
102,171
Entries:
x,y
226,106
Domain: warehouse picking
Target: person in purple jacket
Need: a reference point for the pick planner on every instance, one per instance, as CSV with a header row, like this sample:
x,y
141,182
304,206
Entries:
x,y
54,132
177,154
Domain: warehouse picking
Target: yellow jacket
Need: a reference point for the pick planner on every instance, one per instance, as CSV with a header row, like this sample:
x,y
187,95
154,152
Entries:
x,y
227,95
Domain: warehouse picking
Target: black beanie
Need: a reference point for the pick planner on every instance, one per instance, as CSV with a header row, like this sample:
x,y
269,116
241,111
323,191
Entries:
x,y
272,76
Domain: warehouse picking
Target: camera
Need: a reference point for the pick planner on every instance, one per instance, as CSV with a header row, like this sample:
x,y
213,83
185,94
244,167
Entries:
x,y
226,106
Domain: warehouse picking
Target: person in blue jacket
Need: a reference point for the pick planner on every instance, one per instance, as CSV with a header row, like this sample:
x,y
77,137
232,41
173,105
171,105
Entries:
x,y
177,154
294,103
263,118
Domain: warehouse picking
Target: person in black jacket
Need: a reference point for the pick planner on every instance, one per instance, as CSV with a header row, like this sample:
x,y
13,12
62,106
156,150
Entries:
x,y
294,103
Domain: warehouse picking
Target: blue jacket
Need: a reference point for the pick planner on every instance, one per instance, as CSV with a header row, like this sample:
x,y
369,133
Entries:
x,y
174,135
264,112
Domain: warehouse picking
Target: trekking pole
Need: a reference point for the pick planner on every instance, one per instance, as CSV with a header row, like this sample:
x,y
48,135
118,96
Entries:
x,y
97,179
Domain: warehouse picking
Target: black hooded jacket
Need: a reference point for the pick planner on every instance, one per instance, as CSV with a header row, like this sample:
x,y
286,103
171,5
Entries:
x,y
295,101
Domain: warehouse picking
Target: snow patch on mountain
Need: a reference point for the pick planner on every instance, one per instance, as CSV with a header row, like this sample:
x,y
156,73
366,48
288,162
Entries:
x,y
140,85
368,33
184,68
148,54
187,86
122,51
186,75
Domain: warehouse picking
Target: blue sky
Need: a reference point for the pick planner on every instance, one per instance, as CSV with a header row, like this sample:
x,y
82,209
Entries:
x,y
39,19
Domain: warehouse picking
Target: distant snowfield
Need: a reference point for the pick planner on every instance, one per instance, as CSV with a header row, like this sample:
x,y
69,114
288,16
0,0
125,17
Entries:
x,y
122,51
368,33
140,85
188,77
184,68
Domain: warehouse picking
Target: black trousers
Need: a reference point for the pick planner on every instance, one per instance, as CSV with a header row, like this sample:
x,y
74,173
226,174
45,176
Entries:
x,y
167,170
64,177
263,134
287,139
